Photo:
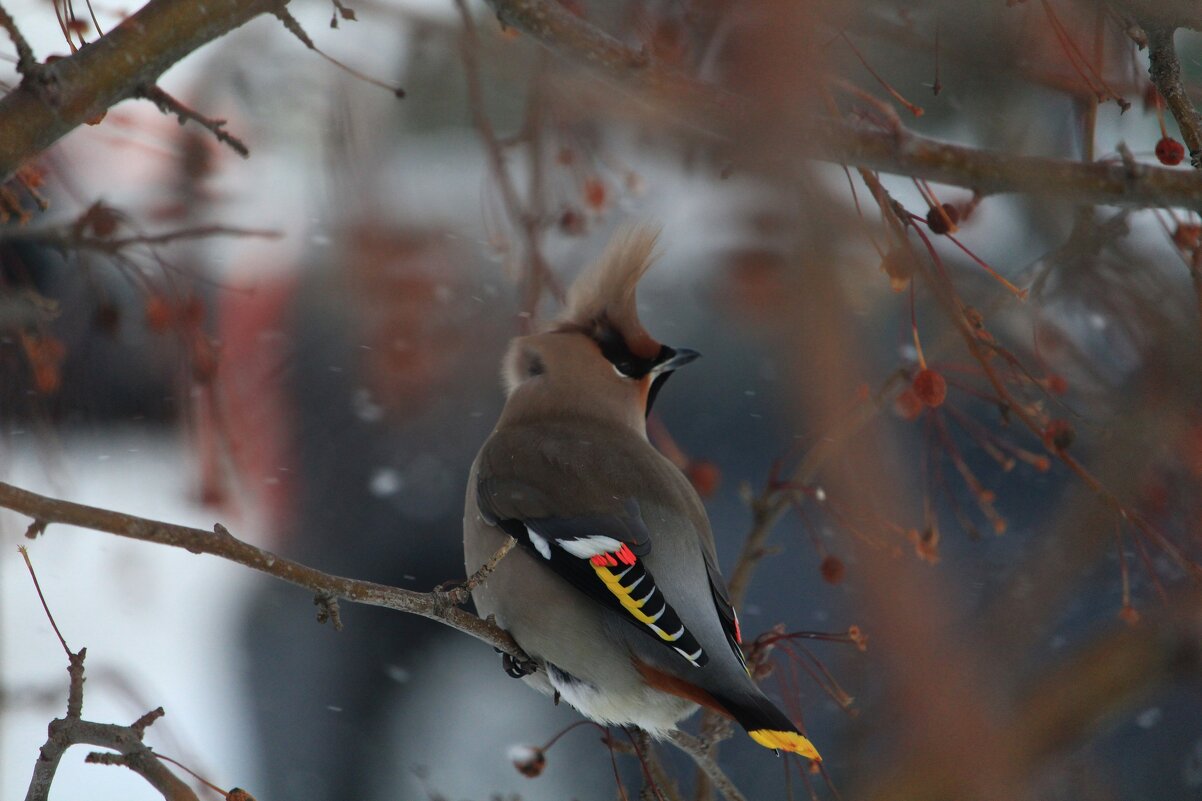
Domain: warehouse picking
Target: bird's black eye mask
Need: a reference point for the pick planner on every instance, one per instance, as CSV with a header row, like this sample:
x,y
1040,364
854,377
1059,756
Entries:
x,y
615,350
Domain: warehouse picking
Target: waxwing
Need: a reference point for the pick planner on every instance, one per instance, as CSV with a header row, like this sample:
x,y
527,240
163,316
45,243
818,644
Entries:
x,y
614,590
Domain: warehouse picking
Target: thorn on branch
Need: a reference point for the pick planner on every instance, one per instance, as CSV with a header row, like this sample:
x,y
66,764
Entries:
x,y
169,105
35,530
327,610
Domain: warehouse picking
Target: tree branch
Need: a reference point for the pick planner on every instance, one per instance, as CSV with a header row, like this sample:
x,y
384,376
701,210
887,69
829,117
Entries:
x,y
1165,71
699,754
221,543
727,117
57,97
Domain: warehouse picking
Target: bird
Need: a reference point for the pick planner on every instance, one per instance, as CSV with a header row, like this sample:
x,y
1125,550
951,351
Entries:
x,y
613,588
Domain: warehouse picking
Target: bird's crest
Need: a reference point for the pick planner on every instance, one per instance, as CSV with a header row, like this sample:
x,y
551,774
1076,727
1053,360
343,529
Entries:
x,y
603,297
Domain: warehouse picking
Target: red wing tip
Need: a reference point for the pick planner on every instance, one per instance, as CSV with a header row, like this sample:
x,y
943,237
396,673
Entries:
x,y
789,741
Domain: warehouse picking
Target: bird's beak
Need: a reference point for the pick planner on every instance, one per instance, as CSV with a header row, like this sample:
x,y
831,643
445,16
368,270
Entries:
x,y
670,359
675,359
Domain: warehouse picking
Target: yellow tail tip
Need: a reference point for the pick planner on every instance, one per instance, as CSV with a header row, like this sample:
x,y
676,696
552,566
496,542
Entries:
x,y
789,741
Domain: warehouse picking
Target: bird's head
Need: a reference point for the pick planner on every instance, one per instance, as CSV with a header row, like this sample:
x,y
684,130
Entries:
x,y
596,359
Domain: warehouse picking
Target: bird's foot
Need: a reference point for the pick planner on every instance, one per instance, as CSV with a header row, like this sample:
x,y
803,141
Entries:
x,y
517,668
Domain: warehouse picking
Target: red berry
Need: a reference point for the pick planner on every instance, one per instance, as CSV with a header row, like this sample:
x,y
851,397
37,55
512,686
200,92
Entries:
x,y
1188,236
705,477
1056,384
832,569
159,314
938,223
930,387
1169,151
595,194
1059,434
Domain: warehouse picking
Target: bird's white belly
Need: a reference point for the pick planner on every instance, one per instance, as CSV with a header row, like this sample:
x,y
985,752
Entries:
x,y
655,712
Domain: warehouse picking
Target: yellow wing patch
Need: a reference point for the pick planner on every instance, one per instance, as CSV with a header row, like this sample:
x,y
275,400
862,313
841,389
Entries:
x,y
789,741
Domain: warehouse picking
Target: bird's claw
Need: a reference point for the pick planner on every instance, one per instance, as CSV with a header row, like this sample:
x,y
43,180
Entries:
x,y
516,668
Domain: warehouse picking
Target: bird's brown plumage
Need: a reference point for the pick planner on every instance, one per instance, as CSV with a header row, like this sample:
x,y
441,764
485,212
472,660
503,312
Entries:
x,y
569,472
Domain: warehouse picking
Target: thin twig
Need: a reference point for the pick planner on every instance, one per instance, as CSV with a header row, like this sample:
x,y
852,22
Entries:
x,y
697,752
461,593
169,105
26,62
294,27
774,502
72,237
1164,69
537,274
38,587
74,730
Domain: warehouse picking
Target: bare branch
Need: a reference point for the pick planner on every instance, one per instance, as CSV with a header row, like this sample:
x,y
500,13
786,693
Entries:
x,y
724,117
71,91
73,730
66,732
223,544
169,105
699,754
73,236
1165,71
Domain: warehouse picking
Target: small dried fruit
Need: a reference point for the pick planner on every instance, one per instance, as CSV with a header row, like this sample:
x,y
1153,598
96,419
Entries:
x,y
571,221
1188,236
705,477
107,319
595,194
945,222
159,314
832,569
1056,384
1169,151
930,388
1059,434
528,759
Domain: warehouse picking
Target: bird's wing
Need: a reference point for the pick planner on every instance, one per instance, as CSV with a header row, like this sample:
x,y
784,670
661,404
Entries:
x,y
726,609
599,552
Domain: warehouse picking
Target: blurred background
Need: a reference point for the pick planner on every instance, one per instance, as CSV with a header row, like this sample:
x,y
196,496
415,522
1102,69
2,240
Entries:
x,y
985,464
